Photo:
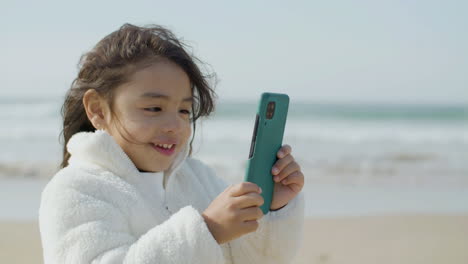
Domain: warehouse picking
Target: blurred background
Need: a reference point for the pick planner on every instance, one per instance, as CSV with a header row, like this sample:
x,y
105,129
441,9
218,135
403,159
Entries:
x,y
378,116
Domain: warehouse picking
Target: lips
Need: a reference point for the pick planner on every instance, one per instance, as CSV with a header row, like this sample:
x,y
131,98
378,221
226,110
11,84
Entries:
x,y
163,150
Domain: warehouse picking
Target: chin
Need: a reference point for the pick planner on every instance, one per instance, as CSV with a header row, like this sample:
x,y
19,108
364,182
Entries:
x,y
159,169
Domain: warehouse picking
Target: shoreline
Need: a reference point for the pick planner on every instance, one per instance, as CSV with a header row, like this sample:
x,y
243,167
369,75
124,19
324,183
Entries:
x,y
402,238
322,200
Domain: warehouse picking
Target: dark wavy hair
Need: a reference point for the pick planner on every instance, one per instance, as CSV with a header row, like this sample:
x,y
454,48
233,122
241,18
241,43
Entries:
x,y
116,58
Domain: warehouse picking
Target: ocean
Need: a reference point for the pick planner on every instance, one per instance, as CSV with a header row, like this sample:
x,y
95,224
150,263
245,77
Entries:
x,y
353,155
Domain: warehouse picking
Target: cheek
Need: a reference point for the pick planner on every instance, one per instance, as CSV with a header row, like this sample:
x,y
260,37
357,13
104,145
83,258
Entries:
x,y
138,127
143,129
187,131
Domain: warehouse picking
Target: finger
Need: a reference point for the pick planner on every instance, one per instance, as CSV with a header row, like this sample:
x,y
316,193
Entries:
x,y
292,167
281,164
251,213
283,151
295,187
228,188
248,200
243,188
296,177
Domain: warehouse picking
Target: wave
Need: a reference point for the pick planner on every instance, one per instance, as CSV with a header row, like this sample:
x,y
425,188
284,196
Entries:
x,y
49,106
356,112
28,169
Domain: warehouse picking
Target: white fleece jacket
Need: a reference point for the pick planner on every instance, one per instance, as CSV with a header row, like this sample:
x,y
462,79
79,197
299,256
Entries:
x,y
101,209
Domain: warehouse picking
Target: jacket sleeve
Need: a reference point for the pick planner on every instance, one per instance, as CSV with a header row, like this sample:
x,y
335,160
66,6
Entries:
x,y
278,237
77,227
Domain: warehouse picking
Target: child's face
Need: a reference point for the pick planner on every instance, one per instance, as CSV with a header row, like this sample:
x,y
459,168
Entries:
x,y
151,119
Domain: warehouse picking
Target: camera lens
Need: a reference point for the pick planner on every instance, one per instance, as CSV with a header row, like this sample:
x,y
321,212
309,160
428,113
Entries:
x,y
270,110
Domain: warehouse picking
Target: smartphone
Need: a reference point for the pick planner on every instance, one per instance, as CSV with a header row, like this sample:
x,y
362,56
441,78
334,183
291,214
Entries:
x,y
267,140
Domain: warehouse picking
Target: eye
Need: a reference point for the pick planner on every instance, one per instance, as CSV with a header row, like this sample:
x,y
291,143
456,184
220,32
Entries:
x,y
153,109
187,112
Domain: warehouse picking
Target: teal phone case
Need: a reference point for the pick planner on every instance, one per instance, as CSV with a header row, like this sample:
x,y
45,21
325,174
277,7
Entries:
x,y
267,139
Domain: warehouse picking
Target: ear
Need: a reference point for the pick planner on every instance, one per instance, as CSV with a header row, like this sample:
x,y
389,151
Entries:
x,y
96,108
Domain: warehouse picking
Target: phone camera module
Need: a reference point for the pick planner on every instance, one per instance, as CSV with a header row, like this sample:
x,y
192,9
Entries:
x,y
270,110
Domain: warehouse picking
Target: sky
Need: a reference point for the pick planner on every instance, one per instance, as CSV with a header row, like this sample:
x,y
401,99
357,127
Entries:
x,y
326,51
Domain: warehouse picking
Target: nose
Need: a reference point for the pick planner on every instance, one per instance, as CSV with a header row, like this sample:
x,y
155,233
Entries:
x,y
172,123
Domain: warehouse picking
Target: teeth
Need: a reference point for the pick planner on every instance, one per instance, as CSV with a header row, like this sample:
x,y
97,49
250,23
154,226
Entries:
x,y
166,146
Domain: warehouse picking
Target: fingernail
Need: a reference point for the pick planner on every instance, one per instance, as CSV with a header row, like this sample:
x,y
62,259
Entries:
x,y
276,178
275,170
260,189
280,154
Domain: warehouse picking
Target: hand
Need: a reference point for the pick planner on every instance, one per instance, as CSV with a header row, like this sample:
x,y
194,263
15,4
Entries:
x,y
234,212
290,178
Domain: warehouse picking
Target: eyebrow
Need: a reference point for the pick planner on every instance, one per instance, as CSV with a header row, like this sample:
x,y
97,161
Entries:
x,y
163,96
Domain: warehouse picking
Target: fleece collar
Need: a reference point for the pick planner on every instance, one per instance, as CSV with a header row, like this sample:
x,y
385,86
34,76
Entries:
x,y
101,149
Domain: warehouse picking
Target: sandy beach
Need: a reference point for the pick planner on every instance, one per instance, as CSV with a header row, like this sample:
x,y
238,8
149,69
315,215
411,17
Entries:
x,y
404,239
399,239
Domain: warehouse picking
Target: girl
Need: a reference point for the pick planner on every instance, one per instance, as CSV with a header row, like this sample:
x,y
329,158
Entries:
x,y
128,190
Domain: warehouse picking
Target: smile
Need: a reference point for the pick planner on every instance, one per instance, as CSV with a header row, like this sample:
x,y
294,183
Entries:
x,y
165,149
